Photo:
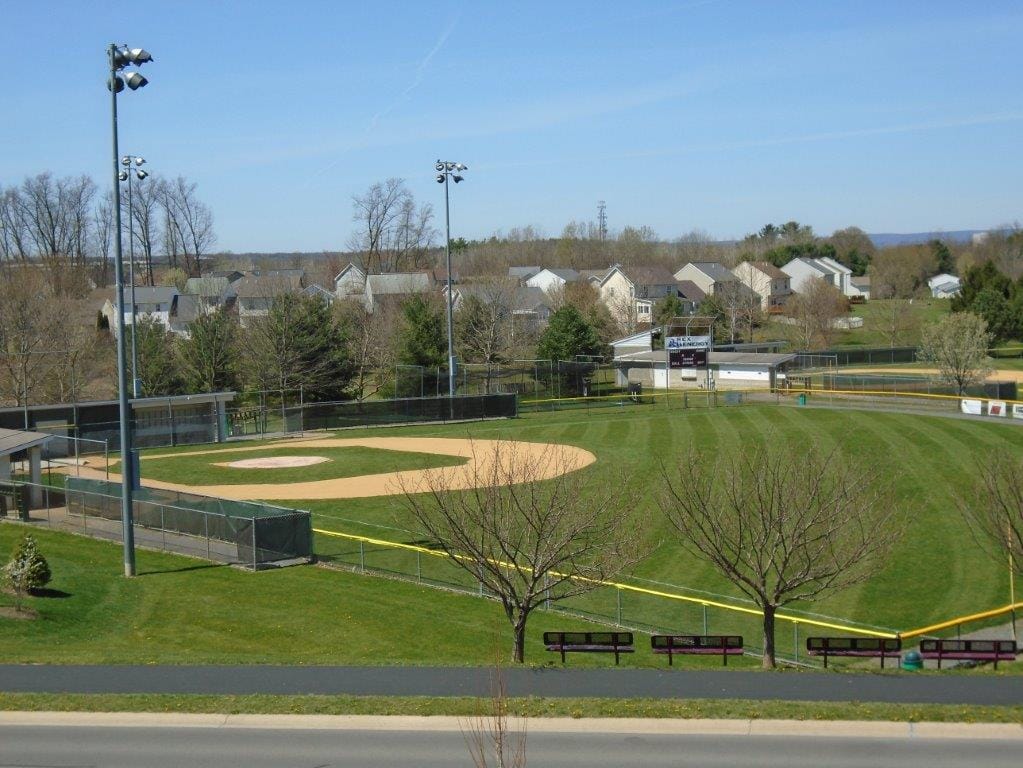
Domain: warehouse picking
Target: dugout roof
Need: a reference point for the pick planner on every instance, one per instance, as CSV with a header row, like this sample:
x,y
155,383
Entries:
x,y
14,440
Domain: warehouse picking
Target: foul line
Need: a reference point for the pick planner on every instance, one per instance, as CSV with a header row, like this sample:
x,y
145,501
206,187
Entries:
x,y
625,587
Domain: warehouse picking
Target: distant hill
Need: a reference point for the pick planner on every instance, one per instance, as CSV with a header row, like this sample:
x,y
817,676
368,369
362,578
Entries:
x,y
885,240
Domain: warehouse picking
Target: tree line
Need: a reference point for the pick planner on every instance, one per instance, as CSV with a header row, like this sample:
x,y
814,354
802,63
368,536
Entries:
x,y
65,225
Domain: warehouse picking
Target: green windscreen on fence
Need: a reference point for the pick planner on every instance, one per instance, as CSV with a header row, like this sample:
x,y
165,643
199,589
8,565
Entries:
x,y
410,409
262,533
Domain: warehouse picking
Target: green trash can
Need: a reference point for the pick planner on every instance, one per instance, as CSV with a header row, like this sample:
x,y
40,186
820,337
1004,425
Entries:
x,y
801,399
912,661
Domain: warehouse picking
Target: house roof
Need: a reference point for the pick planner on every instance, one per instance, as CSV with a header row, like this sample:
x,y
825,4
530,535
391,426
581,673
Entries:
x,y
862,281
398,283
813,264
566,274
594,274
769,269
690,290
14,440
319,291
208,287
157,294
350,267
641,275
267,286
231,274
941,279
523,273
834,266
714,270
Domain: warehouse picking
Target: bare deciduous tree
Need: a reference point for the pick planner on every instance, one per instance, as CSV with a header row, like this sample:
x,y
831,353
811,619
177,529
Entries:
x,y
27,323
488,734
392,233
782,526
813,312
957,346
370,344
483,326
894,319
530,528
188,225
994,508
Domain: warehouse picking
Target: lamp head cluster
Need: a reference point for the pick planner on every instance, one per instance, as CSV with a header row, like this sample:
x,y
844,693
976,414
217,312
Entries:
x,y
121,57
128,161
445,168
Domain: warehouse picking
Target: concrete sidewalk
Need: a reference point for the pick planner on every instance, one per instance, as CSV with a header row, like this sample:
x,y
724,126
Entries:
x,y
639,726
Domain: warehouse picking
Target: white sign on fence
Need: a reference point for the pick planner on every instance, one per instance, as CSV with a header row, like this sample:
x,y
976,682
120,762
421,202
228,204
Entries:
x,y
687,342
995,407
974,407
1017,411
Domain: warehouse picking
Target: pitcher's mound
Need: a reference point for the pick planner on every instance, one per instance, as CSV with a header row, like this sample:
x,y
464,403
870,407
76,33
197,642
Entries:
x,y
275,462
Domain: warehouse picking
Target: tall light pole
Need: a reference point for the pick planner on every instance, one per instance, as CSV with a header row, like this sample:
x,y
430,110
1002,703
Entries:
x,y
125,175
119,57
448,170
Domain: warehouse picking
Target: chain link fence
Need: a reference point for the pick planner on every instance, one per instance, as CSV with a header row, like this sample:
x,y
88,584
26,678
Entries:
x,y
638,604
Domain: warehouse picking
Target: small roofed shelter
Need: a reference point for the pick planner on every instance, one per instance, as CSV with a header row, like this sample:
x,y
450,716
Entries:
x,y
15,441
725,370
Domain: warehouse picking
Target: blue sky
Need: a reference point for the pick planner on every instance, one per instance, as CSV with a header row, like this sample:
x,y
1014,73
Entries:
x,y
716,115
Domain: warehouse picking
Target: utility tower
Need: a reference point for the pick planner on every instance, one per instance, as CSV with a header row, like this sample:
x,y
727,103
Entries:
x,y
602,219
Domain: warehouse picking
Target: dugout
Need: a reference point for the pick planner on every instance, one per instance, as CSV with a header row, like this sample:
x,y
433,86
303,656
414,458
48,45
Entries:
x,y
256,535
18,444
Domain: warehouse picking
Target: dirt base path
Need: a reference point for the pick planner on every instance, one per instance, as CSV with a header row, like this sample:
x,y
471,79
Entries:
x,y
477,452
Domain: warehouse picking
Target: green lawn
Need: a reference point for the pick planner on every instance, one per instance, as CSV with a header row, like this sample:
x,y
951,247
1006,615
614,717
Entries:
x,y
466,706
351,461
184,611
924,312
312,614
937,572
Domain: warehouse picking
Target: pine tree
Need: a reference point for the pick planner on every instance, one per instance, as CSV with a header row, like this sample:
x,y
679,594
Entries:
x,y
26,570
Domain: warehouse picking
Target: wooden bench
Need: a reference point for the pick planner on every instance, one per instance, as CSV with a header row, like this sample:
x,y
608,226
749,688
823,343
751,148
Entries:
x,y
869,647
969,650
700,645
589,642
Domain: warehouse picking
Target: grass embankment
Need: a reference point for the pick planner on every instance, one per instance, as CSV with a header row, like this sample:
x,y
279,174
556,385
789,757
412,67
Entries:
x,y
201,467
517,707
184,611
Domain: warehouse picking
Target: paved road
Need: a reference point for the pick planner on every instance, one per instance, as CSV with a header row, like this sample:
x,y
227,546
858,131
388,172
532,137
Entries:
x,y
167,747
470,681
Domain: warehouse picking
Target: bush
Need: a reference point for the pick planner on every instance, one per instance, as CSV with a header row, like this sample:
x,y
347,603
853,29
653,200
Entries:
x,y
26,570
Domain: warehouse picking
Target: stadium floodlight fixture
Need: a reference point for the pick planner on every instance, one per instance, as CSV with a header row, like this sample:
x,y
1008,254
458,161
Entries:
x,y
140,161
140,174
119,57
449,170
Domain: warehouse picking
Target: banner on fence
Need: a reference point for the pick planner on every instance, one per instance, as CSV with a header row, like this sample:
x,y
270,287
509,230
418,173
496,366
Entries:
x,y
687,342
1017,411
995,407
973,407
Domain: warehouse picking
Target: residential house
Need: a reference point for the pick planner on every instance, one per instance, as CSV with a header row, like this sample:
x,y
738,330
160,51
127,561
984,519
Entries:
x,y
709,276
691,294
802,269
593,277
256,293
184,311
530,307
944,286
350,282
522,274
548,280
394,287
150,301
630,293
767,281
319,292
213,291
862,285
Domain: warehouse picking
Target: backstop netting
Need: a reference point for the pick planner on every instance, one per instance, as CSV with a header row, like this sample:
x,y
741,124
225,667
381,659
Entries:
x,y
255,534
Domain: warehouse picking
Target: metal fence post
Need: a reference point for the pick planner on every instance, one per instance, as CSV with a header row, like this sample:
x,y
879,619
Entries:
x,y
795,641
705,618
255,557
206,531
419,566
618,596
362,556
163,526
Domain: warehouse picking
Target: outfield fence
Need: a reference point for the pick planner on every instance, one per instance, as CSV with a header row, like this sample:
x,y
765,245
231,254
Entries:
x,y
639,604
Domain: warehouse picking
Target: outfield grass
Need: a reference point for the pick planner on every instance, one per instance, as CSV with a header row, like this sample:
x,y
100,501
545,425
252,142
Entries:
x,y
517,707
350,461
937,572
